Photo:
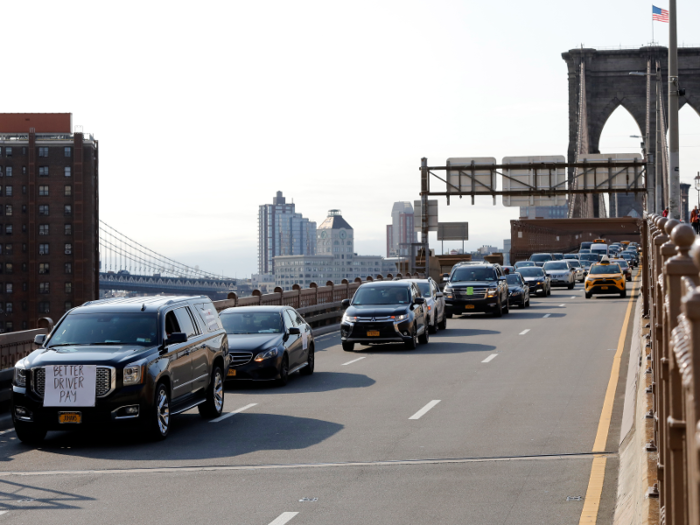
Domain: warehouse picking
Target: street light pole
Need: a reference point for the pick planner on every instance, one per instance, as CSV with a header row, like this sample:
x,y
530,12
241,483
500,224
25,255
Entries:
x,y
697,186
674,173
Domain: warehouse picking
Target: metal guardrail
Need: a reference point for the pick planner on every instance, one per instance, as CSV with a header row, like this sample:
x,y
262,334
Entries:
x,y
671,258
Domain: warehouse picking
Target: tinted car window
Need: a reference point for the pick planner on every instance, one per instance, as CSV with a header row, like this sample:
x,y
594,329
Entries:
x,y
531,272
473,274
252,323
208,315
513,280
574,263
539,257
94,329
425,289
600,269
185,322
382,295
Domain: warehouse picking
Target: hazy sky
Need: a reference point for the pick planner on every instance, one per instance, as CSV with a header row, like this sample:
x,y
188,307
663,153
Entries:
x,y
204,110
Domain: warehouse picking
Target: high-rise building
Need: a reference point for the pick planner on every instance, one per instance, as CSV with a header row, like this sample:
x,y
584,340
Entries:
x,y
400,231
282,231
49,260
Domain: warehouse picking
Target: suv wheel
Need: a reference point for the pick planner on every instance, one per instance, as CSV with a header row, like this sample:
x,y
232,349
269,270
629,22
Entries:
x,y
433,328
284,371
507,309
309,368
571,286
425,337
442,325
413,343
30,434
499,310
623,293
159,419
348,347
214,405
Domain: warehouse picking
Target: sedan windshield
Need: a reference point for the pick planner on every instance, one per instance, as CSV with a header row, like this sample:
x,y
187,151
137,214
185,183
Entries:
x,y
522,264
589,257
600,269
513,280
623,264
473,274
252,323
382,295
424,289
539,257
556,266
574,263
531,272
106,329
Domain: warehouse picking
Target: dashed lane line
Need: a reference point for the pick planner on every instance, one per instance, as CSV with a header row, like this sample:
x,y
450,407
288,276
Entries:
x,y
238,411
546,315
562,305
283,518
490,358
354,361
425,409
524,332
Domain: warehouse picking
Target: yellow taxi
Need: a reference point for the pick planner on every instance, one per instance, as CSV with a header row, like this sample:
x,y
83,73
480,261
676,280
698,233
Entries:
x,y
605,278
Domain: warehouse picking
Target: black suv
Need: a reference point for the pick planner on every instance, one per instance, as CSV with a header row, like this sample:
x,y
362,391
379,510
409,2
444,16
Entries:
x,y
477,288
123,361
385,312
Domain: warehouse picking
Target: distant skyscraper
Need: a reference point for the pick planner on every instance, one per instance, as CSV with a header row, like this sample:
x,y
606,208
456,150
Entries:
x,y
400,231
282,231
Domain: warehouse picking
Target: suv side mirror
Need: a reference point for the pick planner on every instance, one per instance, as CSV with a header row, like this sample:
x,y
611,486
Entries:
x,y
345,303
176,338
294,331
39,339
419,300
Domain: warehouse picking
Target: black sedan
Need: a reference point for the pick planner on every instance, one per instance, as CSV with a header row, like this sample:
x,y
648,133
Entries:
x,y
518,290
267,343
538,281
385,312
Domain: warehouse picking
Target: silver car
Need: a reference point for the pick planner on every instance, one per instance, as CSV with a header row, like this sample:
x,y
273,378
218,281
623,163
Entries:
x,y
561,273
580,272
435,303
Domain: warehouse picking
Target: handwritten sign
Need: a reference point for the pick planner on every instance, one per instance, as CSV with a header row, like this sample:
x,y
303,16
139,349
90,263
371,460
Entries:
x,y
70,386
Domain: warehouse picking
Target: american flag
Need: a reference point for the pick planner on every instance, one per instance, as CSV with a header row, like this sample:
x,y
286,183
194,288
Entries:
x,y
658,14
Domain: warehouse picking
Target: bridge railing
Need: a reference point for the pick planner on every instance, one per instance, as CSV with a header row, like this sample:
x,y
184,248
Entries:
x,y
671,262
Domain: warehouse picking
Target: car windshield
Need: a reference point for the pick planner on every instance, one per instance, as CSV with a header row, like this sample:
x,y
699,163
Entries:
x,y
252,323
424,289
589,257
531,272
539,257
106,329
623,264
382,295
556,266
600,269
523,264
473,274
513,280
627,255
574,263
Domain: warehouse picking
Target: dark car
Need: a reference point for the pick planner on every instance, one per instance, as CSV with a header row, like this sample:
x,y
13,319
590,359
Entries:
x,y
385,312
631,257
518,290
538,281
123,361
267,343
477,288
540,258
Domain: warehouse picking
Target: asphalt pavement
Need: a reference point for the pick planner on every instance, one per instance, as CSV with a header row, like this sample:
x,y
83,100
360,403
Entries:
x,y
492,422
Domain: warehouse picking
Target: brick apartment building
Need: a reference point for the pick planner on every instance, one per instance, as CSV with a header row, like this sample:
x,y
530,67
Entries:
x,y
49,259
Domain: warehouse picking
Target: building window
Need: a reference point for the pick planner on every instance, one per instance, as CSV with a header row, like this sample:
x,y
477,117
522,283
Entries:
x,y
44,288
8,229
69,287
24,267
24,228
68,190
68,268
68,229
9,326
24,170
25,286
43,268
24,247
8,171
43,209
68,305
44,151
8,249
8,308
68,209
8,210
24,208
43,171
44,249
43,191
44,307
8,287
8,267
8,191
66,171
24,325
8,152
67,151
43,229
24,190
68,248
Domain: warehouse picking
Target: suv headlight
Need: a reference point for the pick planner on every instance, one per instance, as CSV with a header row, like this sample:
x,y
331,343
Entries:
x,y
20,376
266,355
132,375
399,318
492,292
349,318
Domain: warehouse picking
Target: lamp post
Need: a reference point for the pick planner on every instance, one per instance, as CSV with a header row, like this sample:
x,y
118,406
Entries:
x,y
697,186
654,183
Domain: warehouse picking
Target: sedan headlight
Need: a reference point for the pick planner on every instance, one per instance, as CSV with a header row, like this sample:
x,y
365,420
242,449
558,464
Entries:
x,y
349,318
399,318
266,355
20,376
132,375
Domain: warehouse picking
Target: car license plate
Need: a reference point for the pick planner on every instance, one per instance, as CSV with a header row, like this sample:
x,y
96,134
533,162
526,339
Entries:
x,y
468,306
231,373
70,417
373,333
603,287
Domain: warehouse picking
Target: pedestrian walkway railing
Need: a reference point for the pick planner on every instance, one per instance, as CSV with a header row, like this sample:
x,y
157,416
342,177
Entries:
x,y
671,295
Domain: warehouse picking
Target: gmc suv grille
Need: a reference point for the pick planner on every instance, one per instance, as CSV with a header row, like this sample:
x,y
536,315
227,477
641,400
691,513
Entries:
x,y
240,358
103,383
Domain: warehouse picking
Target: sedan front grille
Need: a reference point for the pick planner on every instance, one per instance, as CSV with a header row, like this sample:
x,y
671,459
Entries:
x,y
103,384
240,358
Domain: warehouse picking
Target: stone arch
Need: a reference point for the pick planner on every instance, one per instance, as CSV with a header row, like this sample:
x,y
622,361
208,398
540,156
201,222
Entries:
x,y
596,128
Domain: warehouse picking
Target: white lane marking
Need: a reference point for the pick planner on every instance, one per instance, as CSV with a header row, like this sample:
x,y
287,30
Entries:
x,y
425,409
546,315
524,332
12,429
562,305
573,297
353,361
490,358
3,512
224,416
283,518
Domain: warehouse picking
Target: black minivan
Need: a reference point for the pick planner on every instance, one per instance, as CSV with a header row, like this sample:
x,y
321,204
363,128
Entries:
x,y
123,361
385,312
